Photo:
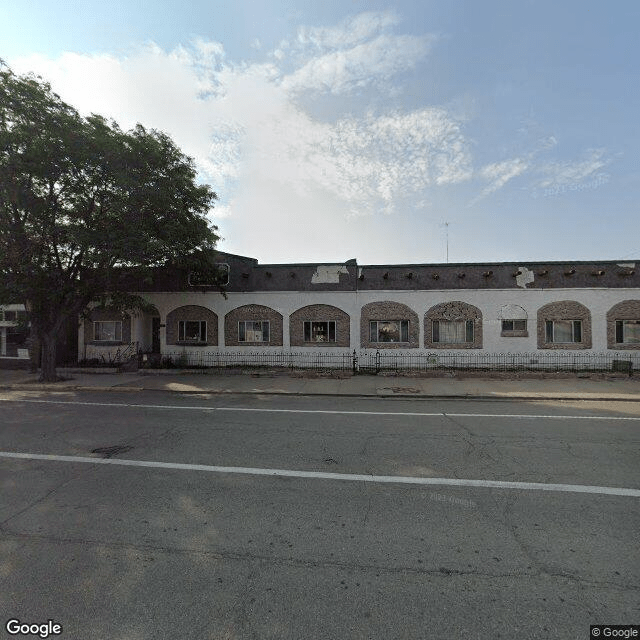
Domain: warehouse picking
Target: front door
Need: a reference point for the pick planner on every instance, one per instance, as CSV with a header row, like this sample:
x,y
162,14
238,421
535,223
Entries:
x,y
155,334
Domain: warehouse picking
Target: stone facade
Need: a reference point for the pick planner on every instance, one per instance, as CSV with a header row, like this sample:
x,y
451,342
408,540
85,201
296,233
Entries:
x,y
564,310
319,313
455,310
388,310
108,315
626,310
193,313
253,312
513,312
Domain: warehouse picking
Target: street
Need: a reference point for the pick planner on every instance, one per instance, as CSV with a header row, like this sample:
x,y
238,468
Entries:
x,y
158,515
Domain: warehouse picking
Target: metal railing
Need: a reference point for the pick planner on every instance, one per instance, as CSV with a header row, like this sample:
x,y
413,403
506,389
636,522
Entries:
x,y
318,361
403,361
538,361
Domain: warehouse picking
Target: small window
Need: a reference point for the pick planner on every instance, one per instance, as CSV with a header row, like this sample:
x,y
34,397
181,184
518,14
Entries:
x,y
389,331
107,331
563,331
320,331
514,325
192,331
253,331
452,331
628,331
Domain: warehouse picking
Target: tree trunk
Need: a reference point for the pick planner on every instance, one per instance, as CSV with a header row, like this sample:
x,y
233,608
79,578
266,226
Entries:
x,y
48,373
34,351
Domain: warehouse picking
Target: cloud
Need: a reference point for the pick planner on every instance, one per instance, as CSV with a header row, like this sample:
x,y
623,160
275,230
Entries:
x,y
363,64
352,30
273,164
498,174
566,174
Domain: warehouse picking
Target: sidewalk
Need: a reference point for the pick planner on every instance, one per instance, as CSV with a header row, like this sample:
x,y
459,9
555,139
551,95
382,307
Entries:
x,y
569,388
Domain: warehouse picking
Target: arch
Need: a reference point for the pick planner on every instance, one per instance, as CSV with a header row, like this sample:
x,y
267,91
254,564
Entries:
x,y
191,314
252,313
561,312
617,335
468,333
389,311
320,314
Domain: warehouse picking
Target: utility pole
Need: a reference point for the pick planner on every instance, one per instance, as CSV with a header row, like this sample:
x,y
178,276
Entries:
x,y
446,224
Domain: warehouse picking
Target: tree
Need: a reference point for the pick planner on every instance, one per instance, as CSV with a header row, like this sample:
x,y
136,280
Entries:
x,y
83,203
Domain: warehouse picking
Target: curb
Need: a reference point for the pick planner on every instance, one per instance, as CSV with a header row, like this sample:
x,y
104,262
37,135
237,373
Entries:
x,y
403,396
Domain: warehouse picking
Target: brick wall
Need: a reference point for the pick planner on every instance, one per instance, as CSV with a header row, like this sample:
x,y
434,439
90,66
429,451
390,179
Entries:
x,y
107,315
317,313
626,310
388,310
564,310
453,311
194,313
253,312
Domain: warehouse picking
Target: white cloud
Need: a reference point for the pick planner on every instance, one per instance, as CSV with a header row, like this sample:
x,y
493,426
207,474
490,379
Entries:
x,y
351,31
499,173
363,64
565,174
273,165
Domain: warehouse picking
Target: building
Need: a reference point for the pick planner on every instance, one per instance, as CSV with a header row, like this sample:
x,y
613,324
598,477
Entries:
x,y
524,307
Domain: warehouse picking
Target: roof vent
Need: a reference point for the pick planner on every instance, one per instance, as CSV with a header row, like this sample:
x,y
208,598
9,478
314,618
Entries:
x,y
544,272
461,275
409,275
386,275
435,276
570,272
597,273
487,274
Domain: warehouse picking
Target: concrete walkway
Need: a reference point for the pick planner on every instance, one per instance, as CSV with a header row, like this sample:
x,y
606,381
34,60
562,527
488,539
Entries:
x,y
566,388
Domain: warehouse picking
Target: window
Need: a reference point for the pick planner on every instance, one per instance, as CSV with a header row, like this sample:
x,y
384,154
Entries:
x,y
320,331
452,331
563,331
192,331
514,325
389,331
253,331
107,331
628,331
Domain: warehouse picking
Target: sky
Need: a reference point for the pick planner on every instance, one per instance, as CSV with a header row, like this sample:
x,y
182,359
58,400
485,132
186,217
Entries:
x,y
416,131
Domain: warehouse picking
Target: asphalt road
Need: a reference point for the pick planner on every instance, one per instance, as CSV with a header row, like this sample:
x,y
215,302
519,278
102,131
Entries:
x,y
274,518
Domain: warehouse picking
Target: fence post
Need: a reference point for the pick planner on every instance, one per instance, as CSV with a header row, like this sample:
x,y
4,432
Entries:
x,y
377,361
355,362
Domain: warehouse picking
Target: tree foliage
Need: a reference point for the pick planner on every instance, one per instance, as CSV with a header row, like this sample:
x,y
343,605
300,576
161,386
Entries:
x,y
83,202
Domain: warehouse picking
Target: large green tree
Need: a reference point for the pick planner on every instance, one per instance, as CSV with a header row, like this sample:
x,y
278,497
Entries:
x,y
83,203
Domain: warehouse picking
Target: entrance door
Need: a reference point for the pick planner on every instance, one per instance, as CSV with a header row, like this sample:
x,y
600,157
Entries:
x,y
155,334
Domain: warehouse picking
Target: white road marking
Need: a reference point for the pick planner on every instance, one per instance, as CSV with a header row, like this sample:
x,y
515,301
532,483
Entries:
x,y
321,411
321,475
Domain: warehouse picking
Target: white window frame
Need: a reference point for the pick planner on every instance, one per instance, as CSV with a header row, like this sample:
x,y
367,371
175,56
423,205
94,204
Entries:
x,y
469,328
308,324
620,330
117,332
202,331
552,335
380,324
244,331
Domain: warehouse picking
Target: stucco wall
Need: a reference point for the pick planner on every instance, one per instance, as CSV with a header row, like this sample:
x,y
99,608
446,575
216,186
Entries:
x,y
489,302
